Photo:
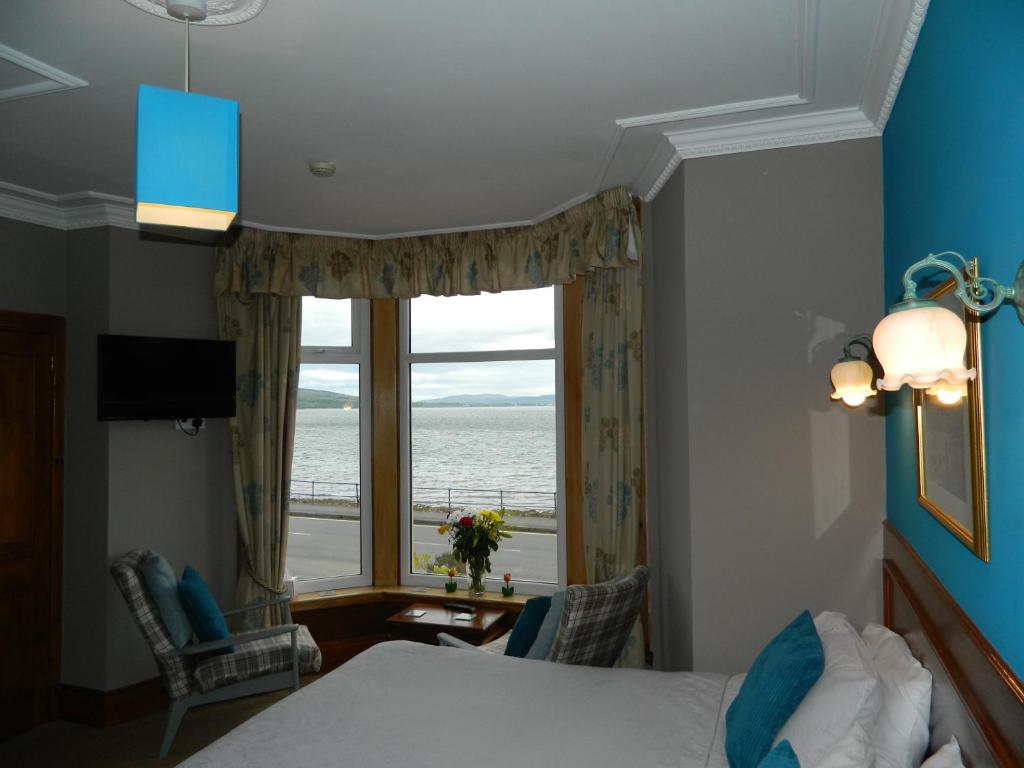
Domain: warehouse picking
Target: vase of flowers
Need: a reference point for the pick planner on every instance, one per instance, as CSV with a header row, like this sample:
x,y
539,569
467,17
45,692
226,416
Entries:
x,y
473,538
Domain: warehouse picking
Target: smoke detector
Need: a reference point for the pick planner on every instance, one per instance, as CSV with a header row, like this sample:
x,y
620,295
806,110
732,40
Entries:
x,y
322,169
202,12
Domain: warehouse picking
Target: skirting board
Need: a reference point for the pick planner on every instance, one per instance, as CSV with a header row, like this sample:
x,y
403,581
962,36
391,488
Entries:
x,y
102,709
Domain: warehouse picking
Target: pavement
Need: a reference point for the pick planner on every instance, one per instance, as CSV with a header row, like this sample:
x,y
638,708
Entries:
x,y
432,517
329,546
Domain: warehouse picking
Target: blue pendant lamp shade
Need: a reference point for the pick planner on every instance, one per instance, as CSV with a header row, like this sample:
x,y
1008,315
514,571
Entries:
x,y
186,159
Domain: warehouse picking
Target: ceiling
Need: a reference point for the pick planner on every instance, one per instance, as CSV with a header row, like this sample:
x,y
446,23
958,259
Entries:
x,y
451,114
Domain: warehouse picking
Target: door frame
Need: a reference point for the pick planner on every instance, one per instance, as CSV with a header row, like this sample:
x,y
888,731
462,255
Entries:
x,y
54,327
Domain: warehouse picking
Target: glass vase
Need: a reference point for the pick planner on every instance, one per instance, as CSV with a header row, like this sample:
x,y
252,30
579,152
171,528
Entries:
x,y
477,574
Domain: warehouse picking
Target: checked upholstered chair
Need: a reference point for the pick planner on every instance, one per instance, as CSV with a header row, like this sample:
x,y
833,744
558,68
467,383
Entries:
x,y
262,660
596,622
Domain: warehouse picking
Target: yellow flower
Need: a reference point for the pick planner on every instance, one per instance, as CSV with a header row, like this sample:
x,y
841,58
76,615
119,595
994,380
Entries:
x,y
443,529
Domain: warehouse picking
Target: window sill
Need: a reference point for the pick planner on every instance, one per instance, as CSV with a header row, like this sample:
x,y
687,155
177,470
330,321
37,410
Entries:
x,y
313,601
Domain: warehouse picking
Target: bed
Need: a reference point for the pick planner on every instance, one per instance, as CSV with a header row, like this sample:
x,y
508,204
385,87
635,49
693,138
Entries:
x,y
402,703
412,705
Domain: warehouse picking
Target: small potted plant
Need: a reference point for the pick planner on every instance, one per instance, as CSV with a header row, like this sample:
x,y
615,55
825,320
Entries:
x,y
508,590
451,585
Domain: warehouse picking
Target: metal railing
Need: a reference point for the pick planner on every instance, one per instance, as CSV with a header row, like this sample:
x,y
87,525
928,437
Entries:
x,y
435,497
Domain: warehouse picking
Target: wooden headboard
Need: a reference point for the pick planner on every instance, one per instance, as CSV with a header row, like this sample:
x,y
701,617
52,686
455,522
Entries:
x,y
975,695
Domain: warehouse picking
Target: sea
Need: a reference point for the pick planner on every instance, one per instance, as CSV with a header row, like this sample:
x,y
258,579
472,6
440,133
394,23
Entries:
x,y
468,456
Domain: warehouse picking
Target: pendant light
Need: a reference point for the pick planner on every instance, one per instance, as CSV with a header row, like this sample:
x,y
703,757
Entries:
x,y
186,149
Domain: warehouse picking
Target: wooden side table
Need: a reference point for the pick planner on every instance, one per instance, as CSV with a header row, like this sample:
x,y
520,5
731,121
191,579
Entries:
x,y
487,624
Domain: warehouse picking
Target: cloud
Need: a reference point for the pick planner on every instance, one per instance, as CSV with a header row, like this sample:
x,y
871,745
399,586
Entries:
x,y
490,321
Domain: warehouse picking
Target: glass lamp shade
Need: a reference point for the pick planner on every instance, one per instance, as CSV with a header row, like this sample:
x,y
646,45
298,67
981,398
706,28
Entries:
x,y
852,382
186,159
921,346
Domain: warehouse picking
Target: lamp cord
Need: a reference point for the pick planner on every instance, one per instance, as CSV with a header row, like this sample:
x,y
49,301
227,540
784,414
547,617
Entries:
x,y
188,54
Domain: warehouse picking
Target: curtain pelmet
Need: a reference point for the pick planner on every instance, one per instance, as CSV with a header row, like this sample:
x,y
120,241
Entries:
x,y
599,233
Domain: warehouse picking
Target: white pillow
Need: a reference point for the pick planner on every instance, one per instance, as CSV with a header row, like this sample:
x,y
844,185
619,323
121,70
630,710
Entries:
x,y
948,756
846,693
854,750
900,734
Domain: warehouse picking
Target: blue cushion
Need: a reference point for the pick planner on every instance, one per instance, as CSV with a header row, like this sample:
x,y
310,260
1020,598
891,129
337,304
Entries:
x,y
548,629
201,607
777,682
162,585
782,756
524,633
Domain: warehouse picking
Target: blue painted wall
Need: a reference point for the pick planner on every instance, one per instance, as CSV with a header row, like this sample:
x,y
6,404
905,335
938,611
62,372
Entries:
x,y
954,179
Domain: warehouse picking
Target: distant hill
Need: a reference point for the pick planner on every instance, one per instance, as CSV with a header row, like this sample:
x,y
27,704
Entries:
x,y
485,400
319,398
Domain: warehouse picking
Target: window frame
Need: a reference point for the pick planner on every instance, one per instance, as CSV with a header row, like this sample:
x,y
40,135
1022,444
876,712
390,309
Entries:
x,y
359,353
406,359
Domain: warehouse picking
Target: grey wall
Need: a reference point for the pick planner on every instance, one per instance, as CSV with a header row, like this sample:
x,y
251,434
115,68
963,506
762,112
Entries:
x,y
33,268
127,484
668,431
86,463
167,491
782,263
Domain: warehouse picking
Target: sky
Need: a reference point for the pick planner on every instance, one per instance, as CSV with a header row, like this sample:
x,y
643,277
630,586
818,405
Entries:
x,y
510,320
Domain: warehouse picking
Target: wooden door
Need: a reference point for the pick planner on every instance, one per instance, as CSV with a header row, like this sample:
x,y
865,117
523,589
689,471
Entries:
x,y
31,429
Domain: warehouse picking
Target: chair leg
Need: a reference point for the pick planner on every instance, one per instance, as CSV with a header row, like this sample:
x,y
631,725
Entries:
x,y
295,663
174,715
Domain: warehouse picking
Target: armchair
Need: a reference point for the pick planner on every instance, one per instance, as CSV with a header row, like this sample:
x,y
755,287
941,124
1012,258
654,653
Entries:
x,y
263,660
594,626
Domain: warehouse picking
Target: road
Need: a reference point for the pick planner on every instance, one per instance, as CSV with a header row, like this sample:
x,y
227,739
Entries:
x,y
326,547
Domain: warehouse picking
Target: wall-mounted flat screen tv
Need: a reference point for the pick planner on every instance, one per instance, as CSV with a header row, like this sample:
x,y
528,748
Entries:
x,y
144,377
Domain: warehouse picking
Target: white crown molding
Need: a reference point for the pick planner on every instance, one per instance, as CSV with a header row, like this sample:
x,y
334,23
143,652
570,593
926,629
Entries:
x,y
805,32
911,32
54,79
82,210
769,133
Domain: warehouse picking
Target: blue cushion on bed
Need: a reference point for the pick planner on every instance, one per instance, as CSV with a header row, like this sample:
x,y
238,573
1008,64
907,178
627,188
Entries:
x,y
777,682
162,585
782,756
202,609
525,630
548,629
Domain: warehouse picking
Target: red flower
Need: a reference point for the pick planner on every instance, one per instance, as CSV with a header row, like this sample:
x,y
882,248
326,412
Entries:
x,y
508,578
467,520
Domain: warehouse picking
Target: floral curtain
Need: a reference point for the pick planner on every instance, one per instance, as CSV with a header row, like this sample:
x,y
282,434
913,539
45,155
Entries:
x,y
613,430
265,329
601,232
261,275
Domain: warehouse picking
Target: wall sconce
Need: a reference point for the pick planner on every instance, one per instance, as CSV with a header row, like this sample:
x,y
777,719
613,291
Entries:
x,y
851,375
921,344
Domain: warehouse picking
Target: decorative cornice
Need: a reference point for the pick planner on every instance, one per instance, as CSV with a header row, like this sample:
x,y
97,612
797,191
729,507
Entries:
x,y
910,35
82,210
770,133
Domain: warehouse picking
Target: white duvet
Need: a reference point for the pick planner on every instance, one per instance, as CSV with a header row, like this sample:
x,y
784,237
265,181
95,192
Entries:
x,y
411,705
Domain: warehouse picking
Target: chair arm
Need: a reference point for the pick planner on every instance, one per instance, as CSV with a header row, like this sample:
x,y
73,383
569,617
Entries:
x,y
444,639
239,639
257,606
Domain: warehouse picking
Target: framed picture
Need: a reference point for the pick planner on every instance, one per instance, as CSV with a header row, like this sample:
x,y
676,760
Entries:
x,y
951,444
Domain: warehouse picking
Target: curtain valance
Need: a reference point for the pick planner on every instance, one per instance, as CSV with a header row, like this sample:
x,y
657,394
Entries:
x,y
601,232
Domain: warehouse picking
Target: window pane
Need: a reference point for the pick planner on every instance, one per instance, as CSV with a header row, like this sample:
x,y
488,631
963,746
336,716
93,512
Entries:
x,y
326,322
323,534
476,444
508,320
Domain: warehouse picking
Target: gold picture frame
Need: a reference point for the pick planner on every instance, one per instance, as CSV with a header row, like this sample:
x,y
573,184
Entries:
x,y
951,476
